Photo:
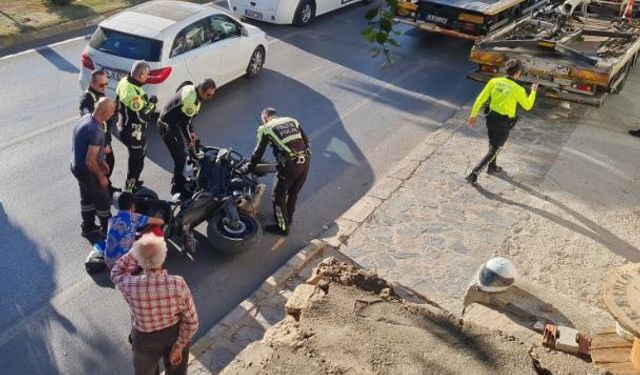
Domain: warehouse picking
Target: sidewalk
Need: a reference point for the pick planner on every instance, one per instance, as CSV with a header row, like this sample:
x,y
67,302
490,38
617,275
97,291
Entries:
x,y
565,213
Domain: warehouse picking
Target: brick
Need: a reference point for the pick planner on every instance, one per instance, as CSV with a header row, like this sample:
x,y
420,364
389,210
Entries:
x,y
300,299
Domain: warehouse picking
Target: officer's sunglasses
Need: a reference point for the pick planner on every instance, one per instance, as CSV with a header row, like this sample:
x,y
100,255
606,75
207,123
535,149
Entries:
x,y
103,85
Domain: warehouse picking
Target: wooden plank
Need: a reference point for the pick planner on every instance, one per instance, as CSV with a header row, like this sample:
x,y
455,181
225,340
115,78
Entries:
x,y
622,296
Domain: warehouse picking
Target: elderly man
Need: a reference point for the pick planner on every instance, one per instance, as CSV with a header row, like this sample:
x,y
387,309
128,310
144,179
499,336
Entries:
x,y
89,167
134,111
163,315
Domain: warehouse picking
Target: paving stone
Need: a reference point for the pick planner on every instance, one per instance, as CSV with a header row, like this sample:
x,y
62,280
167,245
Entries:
x,y
247,334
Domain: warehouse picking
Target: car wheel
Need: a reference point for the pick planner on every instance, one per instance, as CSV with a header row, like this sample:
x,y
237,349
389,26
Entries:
x,y
256,62
305,13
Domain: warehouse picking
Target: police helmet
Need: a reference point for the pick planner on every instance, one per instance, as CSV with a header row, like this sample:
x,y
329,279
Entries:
x,y
497,275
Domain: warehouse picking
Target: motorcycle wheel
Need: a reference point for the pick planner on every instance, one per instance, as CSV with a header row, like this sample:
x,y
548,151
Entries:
x,y
229,241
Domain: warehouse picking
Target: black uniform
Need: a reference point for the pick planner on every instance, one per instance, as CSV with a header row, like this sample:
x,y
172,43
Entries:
x,y
88,101
292,151
134,111
175,128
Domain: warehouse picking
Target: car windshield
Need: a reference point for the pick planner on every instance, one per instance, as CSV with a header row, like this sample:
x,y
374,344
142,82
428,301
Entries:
x,y
126,45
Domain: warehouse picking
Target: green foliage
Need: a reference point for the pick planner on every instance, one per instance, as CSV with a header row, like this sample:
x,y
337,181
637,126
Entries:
x,y
380,28
56,3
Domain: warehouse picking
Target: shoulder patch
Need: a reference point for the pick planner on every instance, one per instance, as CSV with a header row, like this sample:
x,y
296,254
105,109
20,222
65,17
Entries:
x,y
136,102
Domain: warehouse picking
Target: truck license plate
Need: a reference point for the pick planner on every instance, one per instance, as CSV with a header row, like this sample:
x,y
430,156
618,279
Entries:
x,y
437,19
252,14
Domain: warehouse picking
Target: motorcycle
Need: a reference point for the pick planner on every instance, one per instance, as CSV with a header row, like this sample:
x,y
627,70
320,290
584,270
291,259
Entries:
x,y
222,192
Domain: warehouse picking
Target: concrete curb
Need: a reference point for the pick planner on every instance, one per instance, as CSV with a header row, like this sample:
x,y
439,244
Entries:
x,y
250,305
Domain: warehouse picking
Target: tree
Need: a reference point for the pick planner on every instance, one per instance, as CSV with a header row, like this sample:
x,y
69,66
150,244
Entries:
x,y
380,28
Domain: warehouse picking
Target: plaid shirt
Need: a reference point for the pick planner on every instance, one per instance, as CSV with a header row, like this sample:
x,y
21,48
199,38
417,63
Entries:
x,y
157,300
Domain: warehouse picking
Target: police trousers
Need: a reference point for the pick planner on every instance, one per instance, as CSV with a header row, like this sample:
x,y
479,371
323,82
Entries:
x,y
150,348
290,178
135,138
176,146
498,128
94,201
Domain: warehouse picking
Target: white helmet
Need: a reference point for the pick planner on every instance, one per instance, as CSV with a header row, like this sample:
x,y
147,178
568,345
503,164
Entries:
x,y
497,275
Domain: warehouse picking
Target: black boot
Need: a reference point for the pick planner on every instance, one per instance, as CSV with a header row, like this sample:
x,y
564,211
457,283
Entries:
x,y
472,177
274,229
494,169
635,133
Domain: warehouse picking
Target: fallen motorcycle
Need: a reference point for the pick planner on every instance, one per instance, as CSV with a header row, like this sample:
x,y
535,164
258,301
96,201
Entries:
x,y
223,193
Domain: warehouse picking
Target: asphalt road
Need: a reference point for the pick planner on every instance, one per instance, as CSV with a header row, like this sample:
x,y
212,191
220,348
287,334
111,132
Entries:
x,y
362,120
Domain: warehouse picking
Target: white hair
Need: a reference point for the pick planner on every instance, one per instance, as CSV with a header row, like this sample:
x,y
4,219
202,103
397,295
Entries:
x,y
139,67
150,251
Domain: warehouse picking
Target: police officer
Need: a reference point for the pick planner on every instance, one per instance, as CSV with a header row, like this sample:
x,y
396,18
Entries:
x,y
89,167
504,95
176,126
95,91
292,151
134,111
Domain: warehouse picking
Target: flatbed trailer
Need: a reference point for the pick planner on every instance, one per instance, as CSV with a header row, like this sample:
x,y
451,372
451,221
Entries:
x,y
577,51
465,19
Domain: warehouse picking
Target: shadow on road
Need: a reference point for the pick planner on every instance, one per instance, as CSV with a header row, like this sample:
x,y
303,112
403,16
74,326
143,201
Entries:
x,y
57,60
26,323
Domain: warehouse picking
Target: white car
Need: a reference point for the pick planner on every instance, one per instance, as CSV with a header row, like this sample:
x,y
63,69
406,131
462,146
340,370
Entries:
x,y
181,41
297,12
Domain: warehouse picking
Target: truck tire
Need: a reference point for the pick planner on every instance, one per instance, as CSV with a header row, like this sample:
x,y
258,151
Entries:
x,y
305,13
625,76
227,241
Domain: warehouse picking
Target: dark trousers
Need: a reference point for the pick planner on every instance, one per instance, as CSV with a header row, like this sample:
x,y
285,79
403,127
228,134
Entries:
x,y
137,152
111,162
498,128
289,181
150,348
176,146
93,200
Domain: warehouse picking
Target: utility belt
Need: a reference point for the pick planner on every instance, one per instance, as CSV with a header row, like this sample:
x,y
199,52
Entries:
x,y
510,122
136,130
299,157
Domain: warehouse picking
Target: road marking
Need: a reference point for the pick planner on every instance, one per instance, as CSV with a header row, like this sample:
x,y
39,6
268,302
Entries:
x,y
38,132
44,47
278,243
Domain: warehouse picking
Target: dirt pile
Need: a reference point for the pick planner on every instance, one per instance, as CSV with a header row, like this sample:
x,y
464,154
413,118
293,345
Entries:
x,y
345,320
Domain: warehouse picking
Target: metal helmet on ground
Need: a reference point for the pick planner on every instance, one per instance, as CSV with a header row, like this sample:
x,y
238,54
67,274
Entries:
x,y
497,275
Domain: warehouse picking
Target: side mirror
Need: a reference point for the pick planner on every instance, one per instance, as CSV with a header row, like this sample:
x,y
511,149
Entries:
x,y
244,31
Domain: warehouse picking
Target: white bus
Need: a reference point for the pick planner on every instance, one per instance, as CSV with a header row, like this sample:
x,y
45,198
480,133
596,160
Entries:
x,y
297,12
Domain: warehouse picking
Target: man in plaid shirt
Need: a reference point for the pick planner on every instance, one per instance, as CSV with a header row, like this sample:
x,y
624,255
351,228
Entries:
x,y
163,315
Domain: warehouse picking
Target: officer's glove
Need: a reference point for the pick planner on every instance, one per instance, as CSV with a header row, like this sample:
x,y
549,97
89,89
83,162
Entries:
x,y
153,99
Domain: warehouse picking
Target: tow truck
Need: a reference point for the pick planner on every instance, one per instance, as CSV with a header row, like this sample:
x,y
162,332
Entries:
x,y
578,51
465,19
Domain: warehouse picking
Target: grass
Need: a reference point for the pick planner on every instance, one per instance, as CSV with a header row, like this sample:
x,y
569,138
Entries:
x,y
21,16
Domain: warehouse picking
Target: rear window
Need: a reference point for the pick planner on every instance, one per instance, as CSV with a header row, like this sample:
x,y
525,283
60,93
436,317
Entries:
x,y
126,45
